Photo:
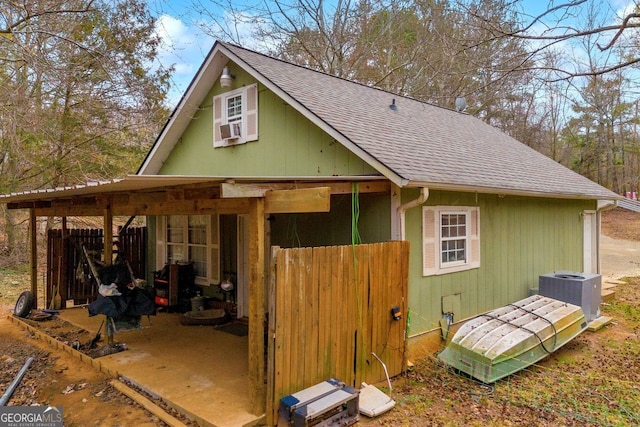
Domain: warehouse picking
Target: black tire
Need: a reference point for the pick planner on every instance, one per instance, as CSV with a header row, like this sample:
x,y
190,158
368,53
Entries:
x,y
24,304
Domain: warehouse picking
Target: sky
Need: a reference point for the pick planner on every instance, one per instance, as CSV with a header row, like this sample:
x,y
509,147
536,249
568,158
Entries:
x,y
185,45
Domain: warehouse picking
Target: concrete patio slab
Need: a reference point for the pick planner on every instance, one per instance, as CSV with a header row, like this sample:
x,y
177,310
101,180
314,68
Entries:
x,y
199,370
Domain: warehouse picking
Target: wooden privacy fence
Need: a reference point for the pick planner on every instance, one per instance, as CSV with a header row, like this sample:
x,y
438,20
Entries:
x,y
67,268
330,308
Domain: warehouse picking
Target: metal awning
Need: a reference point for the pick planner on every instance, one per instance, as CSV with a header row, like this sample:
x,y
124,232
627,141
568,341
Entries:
x,y
130,183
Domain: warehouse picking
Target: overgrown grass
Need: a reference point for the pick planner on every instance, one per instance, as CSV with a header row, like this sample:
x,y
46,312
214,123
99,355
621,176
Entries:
x,y
591,398
15,280
15,270
620,309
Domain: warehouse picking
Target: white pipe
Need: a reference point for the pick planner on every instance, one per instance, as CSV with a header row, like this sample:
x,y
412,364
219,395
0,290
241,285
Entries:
x,y
386,374
424,195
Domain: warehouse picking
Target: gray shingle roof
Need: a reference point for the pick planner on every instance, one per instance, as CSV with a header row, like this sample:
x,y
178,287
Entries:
x,y
420,143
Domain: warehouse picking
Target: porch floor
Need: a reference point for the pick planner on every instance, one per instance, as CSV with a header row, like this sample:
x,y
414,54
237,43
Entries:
x,y
202,372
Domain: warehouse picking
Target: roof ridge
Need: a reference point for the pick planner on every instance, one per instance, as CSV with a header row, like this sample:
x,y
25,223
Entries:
x,y
344,79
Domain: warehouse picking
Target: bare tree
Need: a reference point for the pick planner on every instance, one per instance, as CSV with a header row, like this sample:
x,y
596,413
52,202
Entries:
x,y
574,21
79,99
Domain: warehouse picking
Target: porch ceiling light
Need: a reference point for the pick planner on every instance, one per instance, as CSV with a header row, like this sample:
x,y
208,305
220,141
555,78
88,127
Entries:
x,y
226,78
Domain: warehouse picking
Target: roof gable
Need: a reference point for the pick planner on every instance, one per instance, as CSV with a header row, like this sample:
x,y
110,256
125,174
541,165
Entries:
x,y
413,144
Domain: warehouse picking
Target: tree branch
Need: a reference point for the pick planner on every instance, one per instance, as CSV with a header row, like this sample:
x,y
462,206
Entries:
x,y
623,27
29,16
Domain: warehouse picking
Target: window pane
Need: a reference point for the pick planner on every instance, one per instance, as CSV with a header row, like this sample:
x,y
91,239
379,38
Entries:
x,y
198,255
175,229
175,253
198,229
453,250
234,107
454,225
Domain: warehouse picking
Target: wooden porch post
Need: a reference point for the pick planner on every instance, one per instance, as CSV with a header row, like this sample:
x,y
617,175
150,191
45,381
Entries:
x,y
108,235
33,260
63,290
257,295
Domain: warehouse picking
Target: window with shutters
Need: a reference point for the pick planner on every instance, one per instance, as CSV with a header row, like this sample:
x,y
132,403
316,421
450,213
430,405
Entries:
x,y
190,239
451,239
235,117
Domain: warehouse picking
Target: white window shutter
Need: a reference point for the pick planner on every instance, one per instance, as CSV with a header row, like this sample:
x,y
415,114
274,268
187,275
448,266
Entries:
x,y
251,100
429,241
214,245
161,240
217,120
474,238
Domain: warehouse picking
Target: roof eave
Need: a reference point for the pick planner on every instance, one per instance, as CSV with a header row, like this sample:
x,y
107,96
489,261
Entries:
x,y
510,191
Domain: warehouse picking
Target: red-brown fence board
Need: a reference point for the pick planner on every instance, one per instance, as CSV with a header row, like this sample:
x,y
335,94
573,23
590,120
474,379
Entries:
x,y
66,264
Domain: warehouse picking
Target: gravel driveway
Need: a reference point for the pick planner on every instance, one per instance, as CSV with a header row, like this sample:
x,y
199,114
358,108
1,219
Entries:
x,y
619,258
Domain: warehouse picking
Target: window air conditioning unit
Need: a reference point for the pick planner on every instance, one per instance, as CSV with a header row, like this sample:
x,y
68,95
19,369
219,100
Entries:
x,y
231,130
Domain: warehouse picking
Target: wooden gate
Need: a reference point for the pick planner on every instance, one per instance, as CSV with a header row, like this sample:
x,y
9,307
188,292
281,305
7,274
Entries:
x,y
66,265
330,310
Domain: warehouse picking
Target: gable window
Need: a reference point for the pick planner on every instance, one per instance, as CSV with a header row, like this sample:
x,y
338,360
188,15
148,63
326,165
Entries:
x,y
450,240
190,239
235,116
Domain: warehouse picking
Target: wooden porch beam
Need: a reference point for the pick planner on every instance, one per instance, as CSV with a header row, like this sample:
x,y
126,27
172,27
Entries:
x,y
257,306
295,200
178,207
276,201
29,205
233,190
363,187
298,201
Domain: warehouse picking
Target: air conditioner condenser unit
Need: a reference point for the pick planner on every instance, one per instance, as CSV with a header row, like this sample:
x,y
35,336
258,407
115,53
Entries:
x,y
581,289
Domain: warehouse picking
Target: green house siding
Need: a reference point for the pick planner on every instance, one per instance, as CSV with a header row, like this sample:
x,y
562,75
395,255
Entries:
x,y
520,239
288,145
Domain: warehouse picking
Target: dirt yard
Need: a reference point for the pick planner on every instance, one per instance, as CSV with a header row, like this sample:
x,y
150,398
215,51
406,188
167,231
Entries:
x,y
592,381
56,378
